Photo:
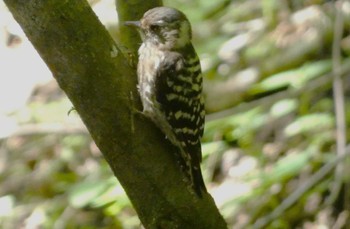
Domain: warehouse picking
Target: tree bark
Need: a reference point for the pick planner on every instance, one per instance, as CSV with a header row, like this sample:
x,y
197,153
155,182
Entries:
x,y
101,84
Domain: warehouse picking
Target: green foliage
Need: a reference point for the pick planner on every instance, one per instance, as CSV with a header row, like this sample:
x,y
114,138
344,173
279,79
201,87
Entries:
x,y
293,78
309,124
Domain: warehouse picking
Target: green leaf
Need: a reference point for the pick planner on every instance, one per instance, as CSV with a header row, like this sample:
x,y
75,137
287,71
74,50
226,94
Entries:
x,y
295,78
287,167
283,107
114,193
85,193
310,123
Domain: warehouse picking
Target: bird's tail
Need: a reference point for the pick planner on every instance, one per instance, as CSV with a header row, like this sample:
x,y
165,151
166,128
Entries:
x,y
191,166
195,170
197,181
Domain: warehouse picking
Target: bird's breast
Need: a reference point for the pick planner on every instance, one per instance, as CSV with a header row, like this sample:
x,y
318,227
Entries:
x,y
149,60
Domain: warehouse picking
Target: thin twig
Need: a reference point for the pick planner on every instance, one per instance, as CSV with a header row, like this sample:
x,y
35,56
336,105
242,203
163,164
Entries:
x,y
339,107
341,220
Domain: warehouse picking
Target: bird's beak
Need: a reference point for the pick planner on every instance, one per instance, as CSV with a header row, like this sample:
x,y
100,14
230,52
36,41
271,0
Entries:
x,y
136,24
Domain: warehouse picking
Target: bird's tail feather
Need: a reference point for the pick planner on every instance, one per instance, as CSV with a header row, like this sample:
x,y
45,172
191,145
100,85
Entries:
x,y
198,182
191,166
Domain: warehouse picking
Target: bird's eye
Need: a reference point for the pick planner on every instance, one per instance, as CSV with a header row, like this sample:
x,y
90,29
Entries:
x,y
154,28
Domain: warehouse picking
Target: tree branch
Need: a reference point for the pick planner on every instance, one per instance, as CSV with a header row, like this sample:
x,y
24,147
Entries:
x,y
97,78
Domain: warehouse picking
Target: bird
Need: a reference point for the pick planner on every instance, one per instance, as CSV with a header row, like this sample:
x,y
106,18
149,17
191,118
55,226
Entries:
x,y
170,85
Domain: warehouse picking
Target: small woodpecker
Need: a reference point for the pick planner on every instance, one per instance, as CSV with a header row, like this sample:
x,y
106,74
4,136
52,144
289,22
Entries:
x,y
170,85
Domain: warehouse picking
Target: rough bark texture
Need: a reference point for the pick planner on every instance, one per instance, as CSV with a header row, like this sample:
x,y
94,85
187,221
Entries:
x,y
98,80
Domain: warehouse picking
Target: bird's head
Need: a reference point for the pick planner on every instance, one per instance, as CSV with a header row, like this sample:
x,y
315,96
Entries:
x,y
164,27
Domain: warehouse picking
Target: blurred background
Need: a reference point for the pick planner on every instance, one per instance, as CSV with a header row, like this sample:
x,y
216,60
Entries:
x,y
277,83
